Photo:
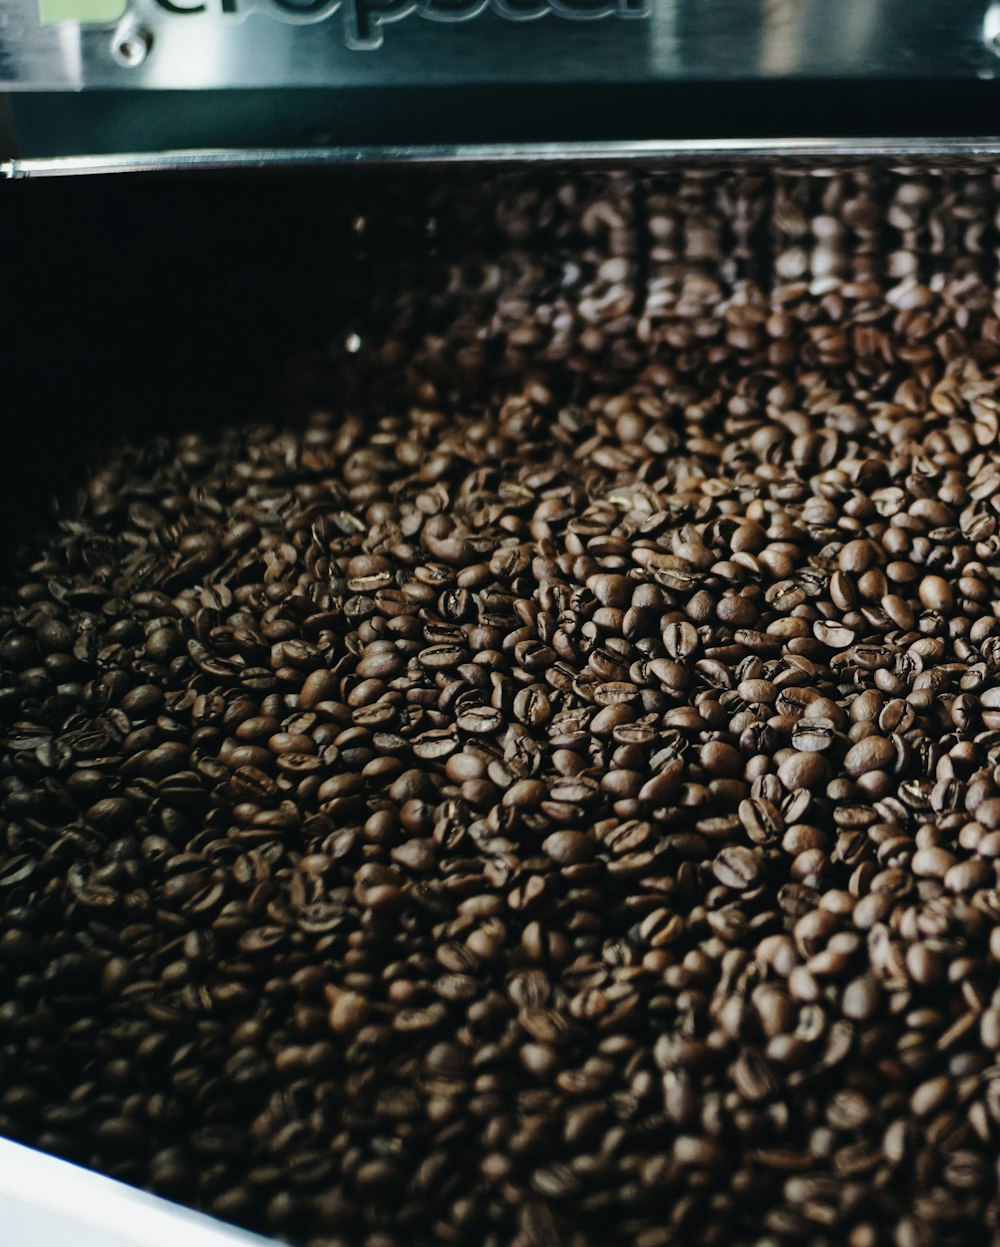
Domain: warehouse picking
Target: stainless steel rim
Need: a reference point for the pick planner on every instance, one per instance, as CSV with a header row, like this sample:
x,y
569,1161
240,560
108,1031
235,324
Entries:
x,y
813,153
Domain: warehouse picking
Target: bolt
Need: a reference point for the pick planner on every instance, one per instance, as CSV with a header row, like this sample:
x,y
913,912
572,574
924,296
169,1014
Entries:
x,y
130,48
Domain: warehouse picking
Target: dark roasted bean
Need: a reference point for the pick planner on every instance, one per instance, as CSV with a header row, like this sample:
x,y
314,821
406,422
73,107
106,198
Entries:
x,y
737,867
873,753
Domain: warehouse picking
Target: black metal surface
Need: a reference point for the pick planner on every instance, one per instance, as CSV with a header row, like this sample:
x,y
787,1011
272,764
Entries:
x,y
108,121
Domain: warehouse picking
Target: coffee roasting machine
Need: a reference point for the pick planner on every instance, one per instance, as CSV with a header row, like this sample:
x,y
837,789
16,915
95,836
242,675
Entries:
x,y
100,86
175,171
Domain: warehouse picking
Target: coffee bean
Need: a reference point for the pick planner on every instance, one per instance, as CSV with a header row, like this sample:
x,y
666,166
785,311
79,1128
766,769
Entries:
x,y
861,998
857,556
680,640
610,590
923,963
873,753
988,813
661,927
720,759
932,863
532,706
802,770
110,813
761,820
479,720
628,837
527,892
250,783
18,869
319,686
568,847
936,594
737,867
930,1096
753,1076
832,635
813,735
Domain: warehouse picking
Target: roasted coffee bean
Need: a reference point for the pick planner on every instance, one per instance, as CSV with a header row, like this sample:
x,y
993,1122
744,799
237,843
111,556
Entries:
x,y
548,790
479,720
873,753
761,820
813,735
319,686
532,706
834,636
568,847
737,867
802,770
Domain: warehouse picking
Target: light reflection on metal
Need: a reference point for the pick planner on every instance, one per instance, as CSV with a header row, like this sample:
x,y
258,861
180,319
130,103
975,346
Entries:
x,y
991,28
69,50
811,155
183,63
664,45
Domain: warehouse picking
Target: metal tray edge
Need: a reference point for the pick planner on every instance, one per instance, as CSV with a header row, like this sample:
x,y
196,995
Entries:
x,y
44,1200
787,151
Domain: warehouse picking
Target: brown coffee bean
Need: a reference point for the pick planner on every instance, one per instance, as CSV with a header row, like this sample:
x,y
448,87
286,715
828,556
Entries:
x,y
873,753
813,735
110,813
610,590
857,556
861,998
737,867
721,759
932,863
479,720
532,706
832,635
348,1013
923,963
568,847
628,837
988,813
320,685
936,594
761,820
803,770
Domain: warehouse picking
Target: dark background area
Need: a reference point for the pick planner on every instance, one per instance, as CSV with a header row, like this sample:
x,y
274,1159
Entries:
x,y
159,303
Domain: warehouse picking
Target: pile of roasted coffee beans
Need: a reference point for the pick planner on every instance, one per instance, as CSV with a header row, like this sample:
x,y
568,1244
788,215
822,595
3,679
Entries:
x,y
550,795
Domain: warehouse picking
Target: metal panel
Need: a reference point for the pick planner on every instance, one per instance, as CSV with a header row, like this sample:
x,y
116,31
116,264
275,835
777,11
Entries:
x,y
254,43
46,1202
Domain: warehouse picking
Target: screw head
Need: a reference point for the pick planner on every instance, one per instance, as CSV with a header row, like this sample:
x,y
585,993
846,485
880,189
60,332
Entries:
x,y
130,48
